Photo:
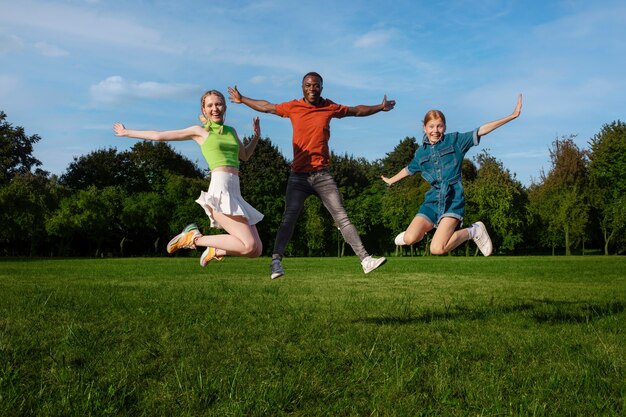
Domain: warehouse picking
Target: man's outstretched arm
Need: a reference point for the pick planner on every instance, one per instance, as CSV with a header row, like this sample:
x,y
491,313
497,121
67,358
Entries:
x,y
362,110
258,105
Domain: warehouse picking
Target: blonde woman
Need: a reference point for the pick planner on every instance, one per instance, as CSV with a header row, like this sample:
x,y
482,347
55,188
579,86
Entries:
x,y
223,202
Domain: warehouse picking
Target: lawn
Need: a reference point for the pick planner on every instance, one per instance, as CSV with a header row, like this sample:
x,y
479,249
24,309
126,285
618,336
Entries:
x,y
421,336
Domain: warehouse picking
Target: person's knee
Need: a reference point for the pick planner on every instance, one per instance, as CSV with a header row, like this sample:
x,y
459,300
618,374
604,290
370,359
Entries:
x,y
437,249
256,251
342,222
290,217
412,238
252,249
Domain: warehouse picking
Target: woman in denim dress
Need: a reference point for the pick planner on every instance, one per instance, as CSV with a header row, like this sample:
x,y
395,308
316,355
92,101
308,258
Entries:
x,y
439,159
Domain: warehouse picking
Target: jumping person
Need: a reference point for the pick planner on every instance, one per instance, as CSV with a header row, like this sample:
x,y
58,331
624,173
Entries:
x,y
223,202
310,119
439,159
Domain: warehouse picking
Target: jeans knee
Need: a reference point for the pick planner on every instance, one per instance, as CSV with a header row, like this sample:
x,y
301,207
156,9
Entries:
x,y
290,217
343,222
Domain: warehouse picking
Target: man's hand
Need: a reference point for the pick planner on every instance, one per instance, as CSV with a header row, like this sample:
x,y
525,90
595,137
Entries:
x,y
388,105
234,95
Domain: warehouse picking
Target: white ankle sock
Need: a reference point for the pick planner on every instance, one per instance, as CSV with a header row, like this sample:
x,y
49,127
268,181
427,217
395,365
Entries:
x,y
399,240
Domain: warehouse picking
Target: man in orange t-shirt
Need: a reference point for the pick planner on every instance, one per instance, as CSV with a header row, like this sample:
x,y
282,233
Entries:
x,y
310,119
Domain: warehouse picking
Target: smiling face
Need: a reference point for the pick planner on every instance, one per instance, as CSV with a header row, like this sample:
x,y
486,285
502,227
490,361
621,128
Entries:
x,y
214,107
312,89
434,130
434,125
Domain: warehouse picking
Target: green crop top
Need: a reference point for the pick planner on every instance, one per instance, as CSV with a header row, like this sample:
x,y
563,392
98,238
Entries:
x,y
221,147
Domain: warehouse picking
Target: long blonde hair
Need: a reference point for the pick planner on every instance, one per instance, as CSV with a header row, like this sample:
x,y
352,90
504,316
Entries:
x,y
202,117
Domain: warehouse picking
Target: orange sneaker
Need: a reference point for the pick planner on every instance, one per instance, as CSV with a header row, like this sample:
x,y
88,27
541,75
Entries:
x,y
185,239
208,255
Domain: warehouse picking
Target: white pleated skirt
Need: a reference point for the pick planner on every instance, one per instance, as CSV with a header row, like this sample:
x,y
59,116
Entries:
x,y
224,196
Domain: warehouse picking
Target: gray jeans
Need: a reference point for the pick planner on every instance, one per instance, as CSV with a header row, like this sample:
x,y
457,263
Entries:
x,y
322,185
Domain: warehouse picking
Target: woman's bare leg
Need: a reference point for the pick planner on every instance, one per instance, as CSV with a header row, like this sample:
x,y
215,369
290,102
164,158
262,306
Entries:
x,y
446,237
241,240
417,230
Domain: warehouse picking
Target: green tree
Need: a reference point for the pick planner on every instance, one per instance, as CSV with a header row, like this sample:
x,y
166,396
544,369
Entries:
x,y
156,191
542,208
562,200
317,227
352,175
469,172
263,182
400,157
179,196
400,202
607,172
145,217
26,201
359,182
16,151
89,222
141,169
365,213
496,197
152,160
101,168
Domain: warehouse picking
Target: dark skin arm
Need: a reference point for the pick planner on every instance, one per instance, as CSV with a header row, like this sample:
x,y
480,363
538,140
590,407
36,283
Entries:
x,y
362,110
263,106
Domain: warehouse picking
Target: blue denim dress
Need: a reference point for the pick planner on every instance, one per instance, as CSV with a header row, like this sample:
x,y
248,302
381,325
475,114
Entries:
x,y
440,165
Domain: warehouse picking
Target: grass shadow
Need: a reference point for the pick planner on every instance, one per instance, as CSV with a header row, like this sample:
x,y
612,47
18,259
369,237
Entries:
x,y
540,311
557,312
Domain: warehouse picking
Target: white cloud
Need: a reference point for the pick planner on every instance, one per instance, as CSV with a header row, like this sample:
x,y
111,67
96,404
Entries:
x,y
9,43
83,24
50,50
258,79
374,38
116,89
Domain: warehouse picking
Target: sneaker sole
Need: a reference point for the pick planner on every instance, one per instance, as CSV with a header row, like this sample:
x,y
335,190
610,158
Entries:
x,y
377,266
171,246
276,275
490,244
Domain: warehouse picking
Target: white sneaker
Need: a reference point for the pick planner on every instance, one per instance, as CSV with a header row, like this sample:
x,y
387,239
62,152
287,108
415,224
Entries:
x,y
399,240
482,239
369,264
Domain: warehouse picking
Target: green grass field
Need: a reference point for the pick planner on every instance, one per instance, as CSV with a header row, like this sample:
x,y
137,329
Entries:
x,y
422,336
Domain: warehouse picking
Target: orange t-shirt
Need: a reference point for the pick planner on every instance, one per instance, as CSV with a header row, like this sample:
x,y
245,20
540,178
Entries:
x,y
311,131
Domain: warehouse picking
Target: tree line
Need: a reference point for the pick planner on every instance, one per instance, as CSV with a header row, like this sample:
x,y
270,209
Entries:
x,y
130,203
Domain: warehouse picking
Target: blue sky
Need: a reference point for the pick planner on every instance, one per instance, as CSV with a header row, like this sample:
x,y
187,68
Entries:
x,y
69,69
